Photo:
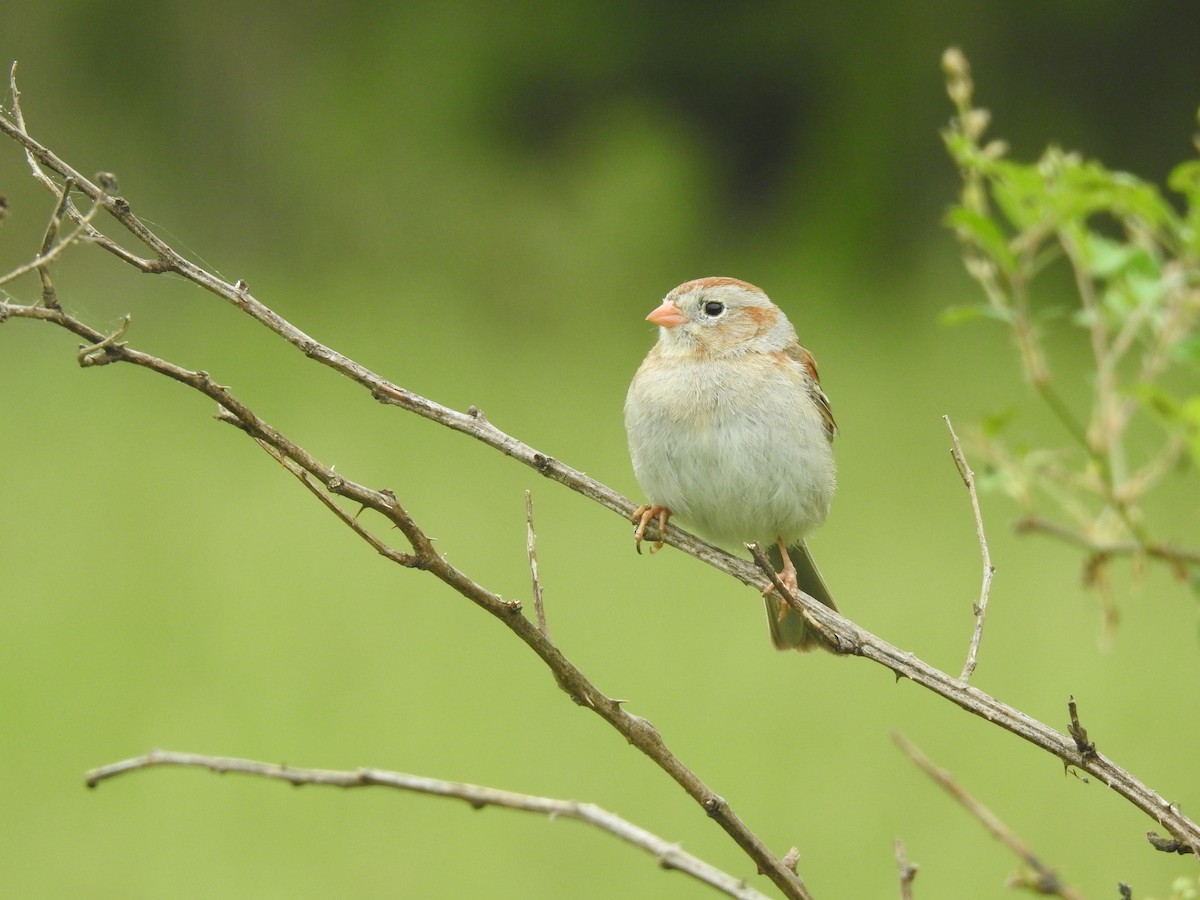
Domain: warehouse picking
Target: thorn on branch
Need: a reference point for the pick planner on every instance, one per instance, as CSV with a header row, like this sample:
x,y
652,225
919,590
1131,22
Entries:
x,y
229,417
791,860
101,353
384,492
1069,769
1078,733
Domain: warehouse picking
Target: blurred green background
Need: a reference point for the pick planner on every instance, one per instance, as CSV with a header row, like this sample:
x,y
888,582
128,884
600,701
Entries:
x,y
482,203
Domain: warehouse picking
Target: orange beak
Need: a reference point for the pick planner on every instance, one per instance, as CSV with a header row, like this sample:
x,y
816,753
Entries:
x,y
667,315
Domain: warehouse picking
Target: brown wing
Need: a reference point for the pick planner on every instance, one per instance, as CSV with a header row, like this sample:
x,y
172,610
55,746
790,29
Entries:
x,y
806,361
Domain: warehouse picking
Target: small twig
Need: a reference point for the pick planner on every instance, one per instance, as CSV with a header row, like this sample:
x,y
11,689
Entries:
x,y
1043,880
531,551
1166,552
408,560
668,855
60,210
908,871
980,607
98,354
51,250
815,614
49,295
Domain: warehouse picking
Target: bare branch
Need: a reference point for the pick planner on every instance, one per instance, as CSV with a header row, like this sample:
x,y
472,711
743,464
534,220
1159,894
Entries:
x,y
980,608
668,855
1043,879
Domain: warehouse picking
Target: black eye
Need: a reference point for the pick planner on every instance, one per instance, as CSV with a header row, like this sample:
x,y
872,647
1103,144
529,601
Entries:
x,y
713,308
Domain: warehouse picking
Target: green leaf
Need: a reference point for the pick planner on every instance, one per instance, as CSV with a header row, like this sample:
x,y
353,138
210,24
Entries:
x,y
1021,193
1185,179
1088,188
985,233
1106,257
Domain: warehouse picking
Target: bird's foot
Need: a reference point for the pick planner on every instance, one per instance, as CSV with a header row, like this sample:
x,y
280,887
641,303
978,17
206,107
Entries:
x,y
788,578
642,517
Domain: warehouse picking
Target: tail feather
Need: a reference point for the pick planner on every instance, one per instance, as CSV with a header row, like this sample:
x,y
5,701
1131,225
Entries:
x,y
788,629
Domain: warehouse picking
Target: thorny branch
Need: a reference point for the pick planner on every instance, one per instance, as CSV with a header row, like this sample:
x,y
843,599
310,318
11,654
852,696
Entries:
x,y
322,481
668,855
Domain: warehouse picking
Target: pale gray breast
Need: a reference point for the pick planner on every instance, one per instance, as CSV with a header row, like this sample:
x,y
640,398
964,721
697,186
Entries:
x,y
736,451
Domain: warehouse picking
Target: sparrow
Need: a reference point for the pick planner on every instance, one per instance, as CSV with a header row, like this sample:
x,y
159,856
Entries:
x,y
730,433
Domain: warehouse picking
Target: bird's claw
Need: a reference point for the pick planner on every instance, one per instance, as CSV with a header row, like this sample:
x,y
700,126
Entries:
x,y
642,517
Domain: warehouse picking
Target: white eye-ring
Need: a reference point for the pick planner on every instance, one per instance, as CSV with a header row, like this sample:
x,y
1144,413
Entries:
x,y
712,308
